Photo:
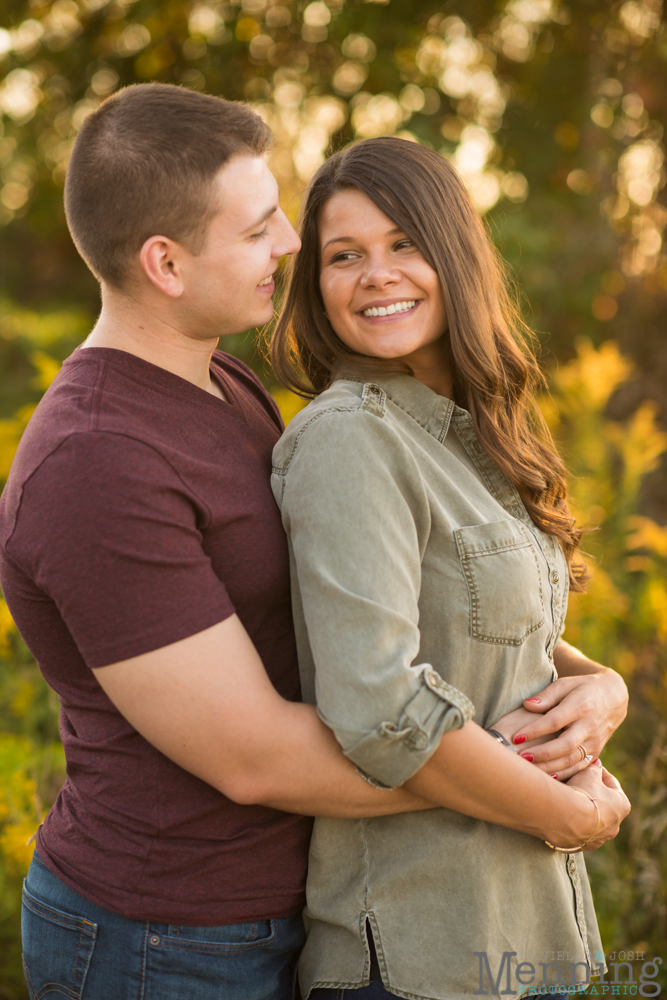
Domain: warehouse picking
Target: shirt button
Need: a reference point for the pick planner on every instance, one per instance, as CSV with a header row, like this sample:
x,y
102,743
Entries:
x,y
573,866
554,576
155,939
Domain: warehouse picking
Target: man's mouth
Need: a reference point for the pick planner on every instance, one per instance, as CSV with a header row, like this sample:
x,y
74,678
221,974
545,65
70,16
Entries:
x,y
394,307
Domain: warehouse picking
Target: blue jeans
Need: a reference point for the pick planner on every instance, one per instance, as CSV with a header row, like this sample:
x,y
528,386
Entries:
x,y
76,950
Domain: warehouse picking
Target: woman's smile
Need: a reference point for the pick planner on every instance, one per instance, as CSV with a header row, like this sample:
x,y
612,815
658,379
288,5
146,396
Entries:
x,y
388,310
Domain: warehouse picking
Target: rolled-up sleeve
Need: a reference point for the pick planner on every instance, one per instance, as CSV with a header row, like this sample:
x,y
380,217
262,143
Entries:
x,y
356,513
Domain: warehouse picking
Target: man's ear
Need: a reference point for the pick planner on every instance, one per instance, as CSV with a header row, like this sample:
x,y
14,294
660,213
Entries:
x,y
160,259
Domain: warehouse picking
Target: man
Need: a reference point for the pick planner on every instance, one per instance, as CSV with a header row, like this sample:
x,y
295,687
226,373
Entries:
x,y
144,562
145,565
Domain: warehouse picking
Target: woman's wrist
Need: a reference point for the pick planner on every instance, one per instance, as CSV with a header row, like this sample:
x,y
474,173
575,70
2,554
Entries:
x,y
571,820
579,846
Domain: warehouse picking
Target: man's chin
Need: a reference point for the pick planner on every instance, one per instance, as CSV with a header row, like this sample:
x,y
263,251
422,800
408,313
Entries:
x,y
260,317
229,326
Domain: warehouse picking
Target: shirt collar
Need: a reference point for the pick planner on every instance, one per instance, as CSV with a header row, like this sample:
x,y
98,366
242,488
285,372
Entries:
x,y
435,414
431,411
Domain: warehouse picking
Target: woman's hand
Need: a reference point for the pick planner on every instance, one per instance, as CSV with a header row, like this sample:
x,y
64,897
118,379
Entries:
x,y
583,708
611,800
516,722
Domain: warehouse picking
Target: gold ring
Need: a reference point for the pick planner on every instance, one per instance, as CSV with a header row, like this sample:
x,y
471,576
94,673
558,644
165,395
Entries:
x,y
583,752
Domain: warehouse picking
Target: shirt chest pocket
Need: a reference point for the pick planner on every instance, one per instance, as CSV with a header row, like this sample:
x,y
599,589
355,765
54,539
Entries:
x,y
499,563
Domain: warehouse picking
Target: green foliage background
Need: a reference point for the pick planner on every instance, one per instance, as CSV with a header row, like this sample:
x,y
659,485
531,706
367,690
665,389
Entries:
x,y
554,115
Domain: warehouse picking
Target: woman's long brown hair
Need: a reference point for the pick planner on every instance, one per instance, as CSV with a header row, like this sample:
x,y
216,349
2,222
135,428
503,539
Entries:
x,y
495,375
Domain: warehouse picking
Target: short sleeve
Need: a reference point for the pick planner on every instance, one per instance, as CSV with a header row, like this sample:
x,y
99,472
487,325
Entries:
x,y
108,530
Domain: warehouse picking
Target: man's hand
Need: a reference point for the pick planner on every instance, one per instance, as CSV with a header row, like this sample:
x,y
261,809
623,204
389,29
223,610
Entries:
x,y
583,708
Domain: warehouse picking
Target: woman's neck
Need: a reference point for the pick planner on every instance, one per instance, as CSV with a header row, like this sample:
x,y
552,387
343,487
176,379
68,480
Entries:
x,y
430,366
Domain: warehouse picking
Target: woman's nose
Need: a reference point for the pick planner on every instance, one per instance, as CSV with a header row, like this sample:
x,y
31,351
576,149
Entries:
x,y
379,274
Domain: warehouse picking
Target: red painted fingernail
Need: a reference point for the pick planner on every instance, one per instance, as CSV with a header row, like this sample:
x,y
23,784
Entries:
x,y
520,738
526,756
597,762
555,776
535,701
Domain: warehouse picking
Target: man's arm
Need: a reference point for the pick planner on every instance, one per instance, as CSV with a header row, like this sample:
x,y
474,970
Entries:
x,y
207,704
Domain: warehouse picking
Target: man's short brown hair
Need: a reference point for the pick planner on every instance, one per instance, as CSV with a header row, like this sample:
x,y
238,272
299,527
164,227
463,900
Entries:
x,y
142,166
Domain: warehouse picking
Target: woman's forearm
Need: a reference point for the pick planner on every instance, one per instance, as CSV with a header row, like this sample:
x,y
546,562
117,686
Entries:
x,y
300,769
474,775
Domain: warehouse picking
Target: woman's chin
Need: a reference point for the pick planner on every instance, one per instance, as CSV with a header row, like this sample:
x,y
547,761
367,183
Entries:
x,y
387,352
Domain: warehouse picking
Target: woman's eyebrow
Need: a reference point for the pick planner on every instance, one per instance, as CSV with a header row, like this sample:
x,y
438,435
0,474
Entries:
x,y
351,239
339,239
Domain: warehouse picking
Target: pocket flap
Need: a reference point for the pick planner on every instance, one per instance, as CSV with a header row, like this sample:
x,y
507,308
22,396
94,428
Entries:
x,y
488,539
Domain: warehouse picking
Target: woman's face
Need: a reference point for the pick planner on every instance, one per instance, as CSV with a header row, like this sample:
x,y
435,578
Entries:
x,y
381,297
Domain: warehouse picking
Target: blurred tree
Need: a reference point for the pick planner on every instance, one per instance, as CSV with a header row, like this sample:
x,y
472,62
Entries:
x,y
552,113
622,620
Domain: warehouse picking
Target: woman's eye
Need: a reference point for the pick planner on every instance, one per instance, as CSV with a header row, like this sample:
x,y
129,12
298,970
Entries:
x,y
343,256
404,245
258,236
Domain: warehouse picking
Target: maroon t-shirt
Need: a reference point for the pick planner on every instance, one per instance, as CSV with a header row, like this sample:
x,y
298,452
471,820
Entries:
x,y
138,512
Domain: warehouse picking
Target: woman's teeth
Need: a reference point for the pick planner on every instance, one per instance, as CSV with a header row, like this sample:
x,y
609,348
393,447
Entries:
x,y
266,281
397,307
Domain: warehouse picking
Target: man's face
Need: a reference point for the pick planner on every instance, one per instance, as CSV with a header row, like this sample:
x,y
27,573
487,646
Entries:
x,y
228,286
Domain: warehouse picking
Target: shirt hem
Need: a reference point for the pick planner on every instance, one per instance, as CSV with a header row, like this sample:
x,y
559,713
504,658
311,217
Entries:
x,y
166,912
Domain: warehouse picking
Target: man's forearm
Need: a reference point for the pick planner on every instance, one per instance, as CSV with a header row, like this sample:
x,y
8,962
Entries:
x,y
307,773
469,773
207,704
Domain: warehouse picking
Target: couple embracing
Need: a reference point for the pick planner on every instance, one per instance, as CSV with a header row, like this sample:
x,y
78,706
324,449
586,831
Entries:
x,y
185,572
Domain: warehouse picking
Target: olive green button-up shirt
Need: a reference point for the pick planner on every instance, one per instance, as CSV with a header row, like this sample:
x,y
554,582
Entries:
x,y
423,595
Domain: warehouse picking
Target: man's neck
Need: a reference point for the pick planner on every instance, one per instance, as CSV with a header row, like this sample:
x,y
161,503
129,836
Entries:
x,y
134,327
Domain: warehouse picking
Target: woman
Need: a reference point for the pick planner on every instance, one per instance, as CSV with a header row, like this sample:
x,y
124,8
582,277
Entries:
x,y
431,550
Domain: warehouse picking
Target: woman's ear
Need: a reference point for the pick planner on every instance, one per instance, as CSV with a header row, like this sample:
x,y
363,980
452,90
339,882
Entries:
x,y
160,258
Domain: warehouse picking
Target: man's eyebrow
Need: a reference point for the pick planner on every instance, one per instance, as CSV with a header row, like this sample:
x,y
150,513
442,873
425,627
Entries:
x,y
352,239
267,215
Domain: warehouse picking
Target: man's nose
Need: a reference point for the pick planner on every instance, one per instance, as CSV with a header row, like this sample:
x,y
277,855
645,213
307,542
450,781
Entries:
x,y
287,239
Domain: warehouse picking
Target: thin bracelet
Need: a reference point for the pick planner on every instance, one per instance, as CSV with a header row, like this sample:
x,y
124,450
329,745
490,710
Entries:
x,y
575,850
